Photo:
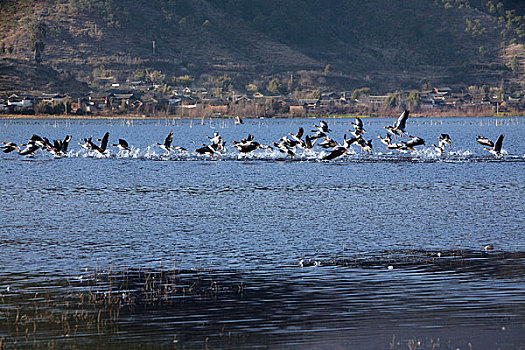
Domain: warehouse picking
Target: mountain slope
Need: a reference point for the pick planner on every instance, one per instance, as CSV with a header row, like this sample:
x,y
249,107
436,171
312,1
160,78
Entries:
x,y
375,43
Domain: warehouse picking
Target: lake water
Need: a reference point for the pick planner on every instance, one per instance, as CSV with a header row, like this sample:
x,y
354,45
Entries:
x,y
399,238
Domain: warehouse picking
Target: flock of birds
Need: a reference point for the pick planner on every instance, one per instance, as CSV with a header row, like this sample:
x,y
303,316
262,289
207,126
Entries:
x,y
287,144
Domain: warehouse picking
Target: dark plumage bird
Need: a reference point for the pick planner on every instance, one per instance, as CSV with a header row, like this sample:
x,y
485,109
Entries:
x,y
210,150
336,152
65,143
37,140
309,142
386,140
167,142
339,150
317,135
322,127
122,145
496,149
103,144
366,146
59,148
328,143
399,126
246,145
9,147
87,143
415,141
297,136
282,147
290,143
444,140
358,128
30,149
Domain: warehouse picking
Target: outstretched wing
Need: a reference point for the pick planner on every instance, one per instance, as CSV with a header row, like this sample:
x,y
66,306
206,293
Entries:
x,y
169,138
104,142
499,143
65,143
300,133
123,143
402,120
484,141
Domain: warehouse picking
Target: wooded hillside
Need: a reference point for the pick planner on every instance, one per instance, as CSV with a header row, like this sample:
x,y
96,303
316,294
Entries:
x,y
307,44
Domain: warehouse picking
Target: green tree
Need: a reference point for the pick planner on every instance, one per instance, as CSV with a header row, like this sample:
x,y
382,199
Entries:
x,y
358,92
38,32
58,108
275,86
206,26
138,75
316,94
156,77
183,80
515,64
425,84
224,83
483,51
44,108
414,96
391,101
251,88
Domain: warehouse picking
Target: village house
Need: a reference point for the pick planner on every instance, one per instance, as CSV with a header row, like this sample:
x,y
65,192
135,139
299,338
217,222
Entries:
x,y
297,110
216,106
99,100
17,103
78,104
154,105
378,101
51,98
310,105
188,102
515,102
443,91
119,100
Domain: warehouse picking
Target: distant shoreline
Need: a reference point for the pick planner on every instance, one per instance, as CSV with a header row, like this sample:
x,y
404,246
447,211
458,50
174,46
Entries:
x,y
137,117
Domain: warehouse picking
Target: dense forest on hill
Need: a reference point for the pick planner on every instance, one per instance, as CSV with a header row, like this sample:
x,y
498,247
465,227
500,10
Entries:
x,y
306,44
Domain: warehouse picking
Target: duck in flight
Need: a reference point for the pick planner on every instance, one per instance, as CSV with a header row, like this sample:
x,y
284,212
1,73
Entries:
x,y
484,141
386,140
339,150
399,126
358,128
103,145
166,146
496,148
59,147
322,127
30,149
444,140
415,141
8,147
122,145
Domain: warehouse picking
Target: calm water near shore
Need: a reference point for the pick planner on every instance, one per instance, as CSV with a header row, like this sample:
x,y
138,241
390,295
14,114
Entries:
x,y
189,252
